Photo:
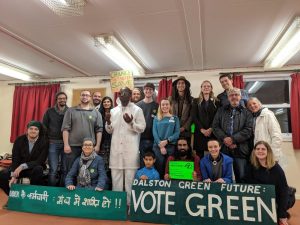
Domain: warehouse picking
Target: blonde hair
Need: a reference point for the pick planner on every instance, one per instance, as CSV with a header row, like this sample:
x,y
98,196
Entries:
x,y
211,94
234,91
254,99
270,162
159,111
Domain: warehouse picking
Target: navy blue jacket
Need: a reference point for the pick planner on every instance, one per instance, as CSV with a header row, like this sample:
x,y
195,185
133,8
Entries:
x,y
97,171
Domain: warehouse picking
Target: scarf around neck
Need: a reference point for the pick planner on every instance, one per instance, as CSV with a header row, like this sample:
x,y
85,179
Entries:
x,y
84,176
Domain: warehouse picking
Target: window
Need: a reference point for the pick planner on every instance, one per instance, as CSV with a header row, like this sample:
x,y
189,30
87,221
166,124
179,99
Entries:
x,y
274,93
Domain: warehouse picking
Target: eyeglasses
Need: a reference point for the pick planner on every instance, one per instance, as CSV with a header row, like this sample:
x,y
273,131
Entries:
x,y
87,145
61,98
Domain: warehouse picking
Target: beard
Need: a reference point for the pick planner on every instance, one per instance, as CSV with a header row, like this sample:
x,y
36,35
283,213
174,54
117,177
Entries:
x,y
96,102
62,104
183,152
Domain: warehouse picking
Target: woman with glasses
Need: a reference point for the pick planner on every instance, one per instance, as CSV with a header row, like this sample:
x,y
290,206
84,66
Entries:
x,y
88,170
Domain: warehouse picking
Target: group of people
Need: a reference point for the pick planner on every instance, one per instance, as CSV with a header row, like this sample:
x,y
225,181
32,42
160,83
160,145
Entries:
x,y
105,147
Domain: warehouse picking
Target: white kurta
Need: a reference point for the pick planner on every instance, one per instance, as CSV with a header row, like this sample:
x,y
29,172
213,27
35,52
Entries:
x,y
124,151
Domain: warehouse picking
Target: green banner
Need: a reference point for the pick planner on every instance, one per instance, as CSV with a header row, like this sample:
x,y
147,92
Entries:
x,y
181,170
189,202
104,205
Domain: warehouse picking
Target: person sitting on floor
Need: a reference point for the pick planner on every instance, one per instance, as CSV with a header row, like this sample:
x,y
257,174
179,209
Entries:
x,y
88,169
264,170
29,155
183,152
148,172
216,166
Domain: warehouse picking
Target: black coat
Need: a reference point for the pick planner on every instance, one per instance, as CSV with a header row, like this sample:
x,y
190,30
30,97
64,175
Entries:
x,y
20,152
203,118
273,176
242,130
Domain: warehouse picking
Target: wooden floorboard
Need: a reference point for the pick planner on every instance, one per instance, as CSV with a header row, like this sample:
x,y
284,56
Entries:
x,y
12,218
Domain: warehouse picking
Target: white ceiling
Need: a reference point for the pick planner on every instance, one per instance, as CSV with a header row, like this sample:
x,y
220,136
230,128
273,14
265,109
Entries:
x,y
166,35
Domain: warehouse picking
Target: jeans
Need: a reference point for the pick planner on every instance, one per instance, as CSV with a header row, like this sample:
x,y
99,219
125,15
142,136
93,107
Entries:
x,y
144,146
70,158
160,163
239,169
55,159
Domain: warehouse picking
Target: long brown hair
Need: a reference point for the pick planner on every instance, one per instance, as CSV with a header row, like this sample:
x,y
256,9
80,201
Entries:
x,y
270,156
159,111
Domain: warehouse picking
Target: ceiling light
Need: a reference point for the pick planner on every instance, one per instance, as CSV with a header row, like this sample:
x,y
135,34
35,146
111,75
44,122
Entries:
x,y
113,49
286,48
279,112
255,87
14,72
66,7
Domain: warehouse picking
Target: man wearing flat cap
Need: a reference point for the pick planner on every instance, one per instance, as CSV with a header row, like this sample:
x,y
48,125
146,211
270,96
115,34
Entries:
x,y
29,154
181,100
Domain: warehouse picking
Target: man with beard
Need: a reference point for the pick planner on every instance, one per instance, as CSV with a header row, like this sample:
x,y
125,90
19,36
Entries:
x,y
52,120
136,95
125,122
183,152
97,100
29,154
80,122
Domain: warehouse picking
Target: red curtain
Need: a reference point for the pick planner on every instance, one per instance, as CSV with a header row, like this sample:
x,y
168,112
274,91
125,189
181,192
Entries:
x,y
30,103
116,95
238,81
164,89
295,109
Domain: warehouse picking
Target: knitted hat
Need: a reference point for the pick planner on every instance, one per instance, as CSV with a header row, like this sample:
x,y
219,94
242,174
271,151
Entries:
x,y
34,123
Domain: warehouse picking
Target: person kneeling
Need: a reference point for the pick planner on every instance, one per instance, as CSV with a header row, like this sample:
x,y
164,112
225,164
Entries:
x,y
29,155
183,152
216,166
88,168
264,170
148,172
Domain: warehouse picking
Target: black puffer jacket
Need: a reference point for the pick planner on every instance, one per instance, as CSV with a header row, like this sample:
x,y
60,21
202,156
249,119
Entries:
x,y
242,130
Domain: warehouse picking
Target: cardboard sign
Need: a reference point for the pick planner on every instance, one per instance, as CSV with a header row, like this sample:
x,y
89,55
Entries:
x,y
120,79
194,203
181,170
84,203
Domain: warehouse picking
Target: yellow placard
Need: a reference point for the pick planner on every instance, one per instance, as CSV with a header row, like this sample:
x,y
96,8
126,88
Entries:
x,y
120,79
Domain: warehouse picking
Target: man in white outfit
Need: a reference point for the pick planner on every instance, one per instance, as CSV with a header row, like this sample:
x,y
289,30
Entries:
x,y
125,122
